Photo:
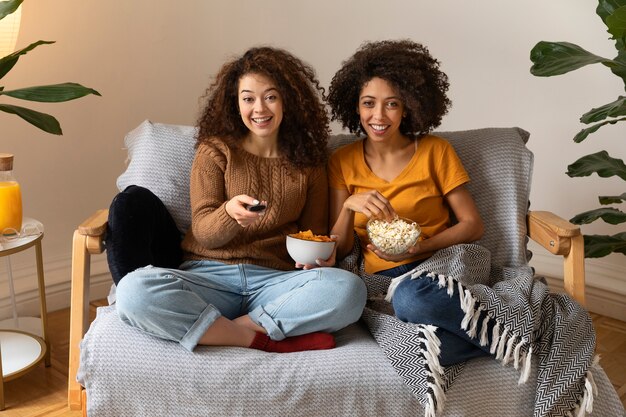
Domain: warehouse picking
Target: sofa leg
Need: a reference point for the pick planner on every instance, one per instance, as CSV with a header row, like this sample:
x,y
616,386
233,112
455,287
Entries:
x,y
79,315
83,397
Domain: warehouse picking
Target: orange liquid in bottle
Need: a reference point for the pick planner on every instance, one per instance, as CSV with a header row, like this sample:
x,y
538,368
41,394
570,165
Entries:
x,y
10,207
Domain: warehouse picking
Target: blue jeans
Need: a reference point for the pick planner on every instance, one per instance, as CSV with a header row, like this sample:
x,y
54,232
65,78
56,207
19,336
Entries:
x,y
400,269
181,304
422,301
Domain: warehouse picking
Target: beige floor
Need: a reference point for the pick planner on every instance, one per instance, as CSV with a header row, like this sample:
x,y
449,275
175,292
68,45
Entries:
x,y
42,392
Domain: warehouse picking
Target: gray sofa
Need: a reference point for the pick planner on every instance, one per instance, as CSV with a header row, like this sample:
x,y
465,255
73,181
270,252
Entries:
x,y
116,370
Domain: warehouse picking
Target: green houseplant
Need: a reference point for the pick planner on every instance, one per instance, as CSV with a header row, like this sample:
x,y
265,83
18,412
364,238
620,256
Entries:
x,y
556,58
45,93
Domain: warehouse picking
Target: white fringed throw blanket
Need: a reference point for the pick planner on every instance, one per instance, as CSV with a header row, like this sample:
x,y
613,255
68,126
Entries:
x,y
530,325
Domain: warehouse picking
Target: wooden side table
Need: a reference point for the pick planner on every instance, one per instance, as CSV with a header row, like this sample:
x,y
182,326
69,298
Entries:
x,y
21,351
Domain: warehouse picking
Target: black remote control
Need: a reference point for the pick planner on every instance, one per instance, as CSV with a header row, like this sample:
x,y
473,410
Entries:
x,y
255,207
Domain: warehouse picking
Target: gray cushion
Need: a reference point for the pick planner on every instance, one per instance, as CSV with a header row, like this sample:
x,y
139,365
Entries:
x,y
128,373
500,170
160,157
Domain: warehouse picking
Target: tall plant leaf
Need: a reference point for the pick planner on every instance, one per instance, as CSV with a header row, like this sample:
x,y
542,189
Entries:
x,y
582,135
8,7
608,214
600,163
555,58
613,109
43,121
51,93
597,246
616,23
618,64
612,199
607,7
7,62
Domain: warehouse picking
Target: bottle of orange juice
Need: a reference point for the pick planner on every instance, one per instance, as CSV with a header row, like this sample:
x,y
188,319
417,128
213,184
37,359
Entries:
x,y
10,198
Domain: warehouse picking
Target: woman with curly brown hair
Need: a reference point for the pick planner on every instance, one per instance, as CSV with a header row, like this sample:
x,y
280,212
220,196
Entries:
x,y
258,175
395,93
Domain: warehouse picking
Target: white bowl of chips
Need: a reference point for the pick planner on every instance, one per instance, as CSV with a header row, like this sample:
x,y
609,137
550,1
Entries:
x,y
393,237
305,247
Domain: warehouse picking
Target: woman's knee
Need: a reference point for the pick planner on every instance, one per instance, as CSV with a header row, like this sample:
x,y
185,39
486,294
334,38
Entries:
x,y
140,232
351,294
348,283
133,293
413,301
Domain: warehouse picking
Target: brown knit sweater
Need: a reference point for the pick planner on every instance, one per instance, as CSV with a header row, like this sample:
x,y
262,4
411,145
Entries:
x,y
296,200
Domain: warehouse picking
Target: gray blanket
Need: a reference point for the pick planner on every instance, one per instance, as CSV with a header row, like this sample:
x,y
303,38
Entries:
x,y
530,324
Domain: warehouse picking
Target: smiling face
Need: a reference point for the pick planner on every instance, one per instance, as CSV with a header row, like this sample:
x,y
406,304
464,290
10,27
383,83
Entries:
x,y
380,110
260,105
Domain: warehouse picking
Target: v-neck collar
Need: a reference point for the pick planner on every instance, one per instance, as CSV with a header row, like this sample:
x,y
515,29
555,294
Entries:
x,y
407,168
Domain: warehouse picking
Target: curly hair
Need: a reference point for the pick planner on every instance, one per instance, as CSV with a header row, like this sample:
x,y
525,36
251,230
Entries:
x,y
412,72
304,129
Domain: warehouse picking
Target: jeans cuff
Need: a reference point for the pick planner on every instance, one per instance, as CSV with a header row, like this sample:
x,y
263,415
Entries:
x,y
198,329
260,317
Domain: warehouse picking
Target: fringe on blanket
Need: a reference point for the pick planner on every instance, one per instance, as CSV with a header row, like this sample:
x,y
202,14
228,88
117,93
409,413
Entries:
x,y
429,383
503,341
585,402
436,395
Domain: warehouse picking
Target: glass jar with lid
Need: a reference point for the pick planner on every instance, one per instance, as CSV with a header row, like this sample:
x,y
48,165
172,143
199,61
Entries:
x,y
10,198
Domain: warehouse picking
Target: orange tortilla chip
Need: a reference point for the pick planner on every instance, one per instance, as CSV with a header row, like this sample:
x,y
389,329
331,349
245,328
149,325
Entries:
x,y
308,235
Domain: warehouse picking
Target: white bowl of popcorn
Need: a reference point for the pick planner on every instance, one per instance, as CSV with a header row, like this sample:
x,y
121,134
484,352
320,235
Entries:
x,y
393,237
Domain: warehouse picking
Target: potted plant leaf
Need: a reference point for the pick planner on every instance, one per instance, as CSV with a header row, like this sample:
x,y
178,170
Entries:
x,y
556,58
45,93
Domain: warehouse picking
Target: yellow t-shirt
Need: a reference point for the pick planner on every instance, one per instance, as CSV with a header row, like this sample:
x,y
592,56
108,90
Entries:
x,y
417,193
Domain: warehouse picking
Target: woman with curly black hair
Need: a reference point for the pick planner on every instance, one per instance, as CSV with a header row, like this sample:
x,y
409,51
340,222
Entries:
x,y
258,175
395,93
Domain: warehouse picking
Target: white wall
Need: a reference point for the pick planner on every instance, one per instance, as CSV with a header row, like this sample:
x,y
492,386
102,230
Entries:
x,y
152,59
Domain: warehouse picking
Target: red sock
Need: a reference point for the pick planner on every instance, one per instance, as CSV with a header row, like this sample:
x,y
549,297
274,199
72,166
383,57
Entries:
x,y
310,341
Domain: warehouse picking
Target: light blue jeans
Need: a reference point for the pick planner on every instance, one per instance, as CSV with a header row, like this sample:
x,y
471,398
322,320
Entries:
x,y
181,304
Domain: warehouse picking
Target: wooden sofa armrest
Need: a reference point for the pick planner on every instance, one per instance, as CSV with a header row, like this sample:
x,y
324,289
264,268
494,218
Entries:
x,y
94,229
95,225
561,237
88,239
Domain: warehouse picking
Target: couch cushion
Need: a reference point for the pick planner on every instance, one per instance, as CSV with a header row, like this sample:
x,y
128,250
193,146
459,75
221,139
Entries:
x,y
159,159
500,170
354,379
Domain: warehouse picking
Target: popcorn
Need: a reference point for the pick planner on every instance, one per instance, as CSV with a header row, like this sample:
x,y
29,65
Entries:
x,y
393,237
